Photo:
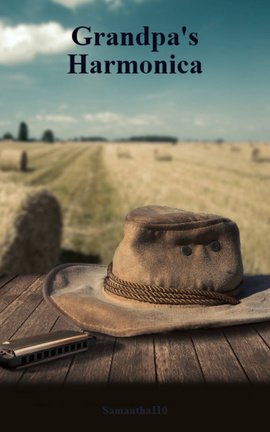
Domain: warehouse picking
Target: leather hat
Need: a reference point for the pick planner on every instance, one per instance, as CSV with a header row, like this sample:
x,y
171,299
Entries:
x,y
173,269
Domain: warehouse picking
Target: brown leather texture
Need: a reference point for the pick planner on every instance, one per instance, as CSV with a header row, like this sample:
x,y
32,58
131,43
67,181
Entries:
x,y
151,251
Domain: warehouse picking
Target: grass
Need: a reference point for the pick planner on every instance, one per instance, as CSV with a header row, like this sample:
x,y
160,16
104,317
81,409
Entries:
x,y
96,189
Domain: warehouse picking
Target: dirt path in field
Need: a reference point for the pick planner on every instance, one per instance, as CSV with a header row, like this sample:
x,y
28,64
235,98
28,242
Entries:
x,y
92,214
77,175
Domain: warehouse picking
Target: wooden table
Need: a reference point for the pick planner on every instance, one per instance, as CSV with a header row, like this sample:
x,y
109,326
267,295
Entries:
x,y
238,354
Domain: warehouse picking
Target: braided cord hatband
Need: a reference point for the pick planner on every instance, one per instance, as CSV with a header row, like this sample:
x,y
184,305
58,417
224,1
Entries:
x,y
170,296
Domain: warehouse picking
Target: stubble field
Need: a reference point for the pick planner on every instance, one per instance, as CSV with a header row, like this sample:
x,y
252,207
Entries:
x,y
97,184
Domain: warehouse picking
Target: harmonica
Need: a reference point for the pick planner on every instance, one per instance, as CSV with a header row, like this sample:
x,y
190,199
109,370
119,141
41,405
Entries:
x,y
37,349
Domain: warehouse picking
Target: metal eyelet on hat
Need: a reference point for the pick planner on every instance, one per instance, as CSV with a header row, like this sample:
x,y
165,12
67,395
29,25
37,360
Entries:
x,y
215,246
186,250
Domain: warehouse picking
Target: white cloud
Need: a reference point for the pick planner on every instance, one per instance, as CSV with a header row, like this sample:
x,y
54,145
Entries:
x,y
25,41
105,117
112,4
55,118
72,3
115,4
113,119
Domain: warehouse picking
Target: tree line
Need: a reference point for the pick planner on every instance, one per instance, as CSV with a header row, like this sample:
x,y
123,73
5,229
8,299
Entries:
x,y
48,136
23,134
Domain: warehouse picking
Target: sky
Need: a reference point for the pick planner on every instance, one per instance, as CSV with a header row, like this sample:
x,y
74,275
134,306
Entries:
x,y
230,99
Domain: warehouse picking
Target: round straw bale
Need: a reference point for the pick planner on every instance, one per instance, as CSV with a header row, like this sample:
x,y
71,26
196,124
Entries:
x,y
30,230
13,160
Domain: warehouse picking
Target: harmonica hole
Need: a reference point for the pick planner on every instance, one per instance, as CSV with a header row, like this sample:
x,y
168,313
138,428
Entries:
x,y
49,353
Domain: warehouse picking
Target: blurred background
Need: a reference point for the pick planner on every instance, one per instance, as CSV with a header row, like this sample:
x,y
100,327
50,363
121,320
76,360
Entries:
x,y
77,152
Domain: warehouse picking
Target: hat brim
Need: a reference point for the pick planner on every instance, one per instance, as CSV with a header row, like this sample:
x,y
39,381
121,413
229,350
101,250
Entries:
x,y
77,291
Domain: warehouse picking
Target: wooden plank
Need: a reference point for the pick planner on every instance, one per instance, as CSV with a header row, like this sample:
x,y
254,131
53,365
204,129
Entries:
x,y
13,289
232,355
4,279
252,352
94,365
217,360
133,361
40,321
263,330
18,311
176,360
15,315
53,372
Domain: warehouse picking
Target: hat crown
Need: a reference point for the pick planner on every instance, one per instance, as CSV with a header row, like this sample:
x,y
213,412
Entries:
x,y
155,216
172,248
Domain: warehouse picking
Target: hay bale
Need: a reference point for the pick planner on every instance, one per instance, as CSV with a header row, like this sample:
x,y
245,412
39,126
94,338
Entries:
x,y
235,148
30,230
162,157
256,155
13,160
123,154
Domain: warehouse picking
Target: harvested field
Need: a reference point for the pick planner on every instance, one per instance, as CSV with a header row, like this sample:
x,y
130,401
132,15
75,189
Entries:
x,y
97,188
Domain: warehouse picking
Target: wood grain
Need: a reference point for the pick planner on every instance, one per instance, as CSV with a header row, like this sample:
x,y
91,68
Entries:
x,y
13,288
23,305
94,365
133,361
176,360
4,279
22,319
263,330
34,325
252,352
217,360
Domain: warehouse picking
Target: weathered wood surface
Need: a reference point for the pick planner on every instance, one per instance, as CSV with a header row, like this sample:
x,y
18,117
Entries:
x,y
230,355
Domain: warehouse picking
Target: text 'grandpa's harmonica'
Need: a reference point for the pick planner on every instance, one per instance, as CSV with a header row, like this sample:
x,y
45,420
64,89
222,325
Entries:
x,y
42,348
